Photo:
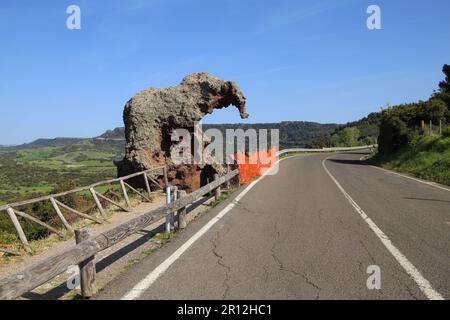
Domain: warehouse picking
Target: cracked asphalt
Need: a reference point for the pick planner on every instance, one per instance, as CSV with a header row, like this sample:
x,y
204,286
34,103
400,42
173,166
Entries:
x,y
295,236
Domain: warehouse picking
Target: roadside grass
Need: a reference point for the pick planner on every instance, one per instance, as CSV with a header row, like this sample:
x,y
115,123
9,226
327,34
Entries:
x,y
224,195
427,157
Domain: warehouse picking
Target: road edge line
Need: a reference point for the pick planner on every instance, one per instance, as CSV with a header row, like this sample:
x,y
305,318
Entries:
x,y
411,270
428,183
145,283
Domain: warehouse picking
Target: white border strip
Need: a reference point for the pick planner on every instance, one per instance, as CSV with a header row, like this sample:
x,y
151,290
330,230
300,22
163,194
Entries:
x,y
414,273
145,283
431,184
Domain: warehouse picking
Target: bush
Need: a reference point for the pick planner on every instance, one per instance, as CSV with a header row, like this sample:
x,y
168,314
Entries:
x,y
7,237
348,137
394,135
446,132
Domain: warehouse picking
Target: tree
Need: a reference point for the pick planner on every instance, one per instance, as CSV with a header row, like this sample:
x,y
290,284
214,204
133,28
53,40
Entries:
x,y
350,137
347,137
445,85
436,109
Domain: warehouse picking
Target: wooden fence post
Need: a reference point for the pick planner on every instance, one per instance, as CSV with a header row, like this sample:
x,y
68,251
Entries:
x,y
182,212
97,202
239,178
228,183
168,201
218,190
87,267
166,178
19,230
60,215
125,194
175,198
147,185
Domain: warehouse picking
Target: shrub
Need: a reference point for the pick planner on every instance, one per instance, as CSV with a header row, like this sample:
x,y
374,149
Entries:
x,y
446,132
394,134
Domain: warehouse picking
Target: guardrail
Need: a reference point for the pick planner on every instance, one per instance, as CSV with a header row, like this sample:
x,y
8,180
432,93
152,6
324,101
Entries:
x,y
13,212
83,253
342,149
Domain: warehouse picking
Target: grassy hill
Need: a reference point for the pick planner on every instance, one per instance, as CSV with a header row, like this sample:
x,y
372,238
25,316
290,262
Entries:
x,y
30,171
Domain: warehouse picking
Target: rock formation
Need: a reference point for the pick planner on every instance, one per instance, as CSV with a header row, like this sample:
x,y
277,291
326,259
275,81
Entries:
x,y
152,115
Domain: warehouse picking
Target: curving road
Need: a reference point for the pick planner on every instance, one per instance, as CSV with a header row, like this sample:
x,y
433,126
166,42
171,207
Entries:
x,y
309,232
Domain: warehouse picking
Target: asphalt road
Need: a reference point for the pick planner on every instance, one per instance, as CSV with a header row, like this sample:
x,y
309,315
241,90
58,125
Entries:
x,y
295,235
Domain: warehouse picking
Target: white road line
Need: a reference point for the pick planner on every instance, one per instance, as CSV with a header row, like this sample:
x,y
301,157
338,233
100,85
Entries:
x,y
414,273
431,184
145,283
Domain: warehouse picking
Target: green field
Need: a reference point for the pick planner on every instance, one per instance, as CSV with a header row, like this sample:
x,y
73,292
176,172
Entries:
x,y
29,172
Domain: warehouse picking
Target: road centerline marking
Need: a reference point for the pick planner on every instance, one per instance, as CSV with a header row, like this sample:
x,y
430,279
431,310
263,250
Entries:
x,y
423,284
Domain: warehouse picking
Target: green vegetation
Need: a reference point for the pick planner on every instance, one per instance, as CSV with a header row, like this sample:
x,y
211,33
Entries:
x,y
411,139
348,137
400,125
27,172
224,195
425,157
353,134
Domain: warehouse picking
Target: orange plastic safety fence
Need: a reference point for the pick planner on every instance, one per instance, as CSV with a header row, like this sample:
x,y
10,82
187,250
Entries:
x,y
256,164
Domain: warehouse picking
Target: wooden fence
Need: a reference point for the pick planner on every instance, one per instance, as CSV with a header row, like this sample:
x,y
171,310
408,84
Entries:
x,y
83,253
13,211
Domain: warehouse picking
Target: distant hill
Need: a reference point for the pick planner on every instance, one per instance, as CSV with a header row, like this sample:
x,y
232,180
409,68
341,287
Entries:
x,y
368,129
292,133
368,126
41,143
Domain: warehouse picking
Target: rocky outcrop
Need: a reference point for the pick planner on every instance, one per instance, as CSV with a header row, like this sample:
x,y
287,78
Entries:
x,y
152,115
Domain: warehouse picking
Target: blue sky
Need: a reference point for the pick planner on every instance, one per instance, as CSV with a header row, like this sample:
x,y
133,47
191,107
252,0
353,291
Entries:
x,y
312,60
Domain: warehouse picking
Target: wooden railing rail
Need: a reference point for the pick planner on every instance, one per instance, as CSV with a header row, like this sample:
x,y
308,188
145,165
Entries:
x,y
57,205
84,251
